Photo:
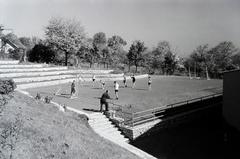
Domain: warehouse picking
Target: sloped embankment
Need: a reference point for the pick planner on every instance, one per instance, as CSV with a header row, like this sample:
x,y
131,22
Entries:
x,y
31,129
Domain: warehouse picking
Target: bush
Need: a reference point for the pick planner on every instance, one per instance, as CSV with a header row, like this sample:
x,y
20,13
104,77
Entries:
x,y
41,53
7,86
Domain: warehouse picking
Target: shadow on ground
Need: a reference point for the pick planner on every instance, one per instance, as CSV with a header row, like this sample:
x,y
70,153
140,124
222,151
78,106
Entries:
x,y
198,139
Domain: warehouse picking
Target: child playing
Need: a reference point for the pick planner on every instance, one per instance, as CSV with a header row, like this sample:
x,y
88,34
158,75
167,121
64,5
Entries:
x,y
73,89
116,88
103,84
124,81
149,83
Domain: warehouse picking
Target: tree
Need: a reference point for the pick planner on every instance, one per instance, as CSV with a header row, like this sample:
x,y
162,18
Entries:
x,y
202,59
162,53
115,46
221,57
65,35
87,52
99,45
236,60
135,53
27,42
170,62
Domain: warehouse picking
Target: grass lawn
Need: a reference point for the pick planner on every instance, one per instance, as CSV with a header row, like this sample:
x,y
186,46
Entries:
x,y
165,90
30,129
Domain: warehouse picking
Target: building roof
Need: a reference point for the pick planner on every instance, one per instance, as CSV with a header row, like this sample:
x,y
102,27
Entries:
x,y
15,44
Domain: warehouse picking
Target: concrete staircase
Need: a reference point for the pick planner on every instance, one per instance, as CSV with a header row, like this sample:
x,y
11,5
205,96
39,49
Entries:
x,y
105,128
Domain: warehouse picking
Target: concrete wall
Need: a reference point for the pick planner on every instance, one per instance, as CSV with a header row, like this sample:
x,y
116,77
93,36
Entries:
x,y
231,98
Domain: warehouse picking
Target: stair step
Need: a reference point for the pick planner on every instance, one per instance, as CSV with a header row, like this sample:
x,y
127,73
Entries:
x,y
6,70
98,117
115,137
23,66
111,130
119,140
42,78
9,62
100,124
103,127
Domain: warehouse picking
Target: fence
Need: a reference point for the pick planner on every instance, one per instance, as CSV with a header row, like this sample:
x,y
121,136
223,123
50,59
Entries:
x,y
131,119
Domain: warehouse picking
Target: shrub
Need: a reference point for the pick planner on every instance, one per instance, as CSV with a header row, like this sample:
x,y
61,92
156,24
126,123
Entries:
x,y
7,86
48,99
41,53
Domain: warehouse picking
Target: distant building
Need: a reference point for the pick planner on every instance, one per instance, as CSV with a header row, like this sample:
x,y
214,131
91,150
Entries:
x,y
7,45
231,98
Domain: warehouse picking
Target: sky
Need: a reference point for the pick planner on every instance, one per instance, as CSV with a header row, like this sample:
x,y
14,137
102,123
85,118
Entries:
x,y
186,24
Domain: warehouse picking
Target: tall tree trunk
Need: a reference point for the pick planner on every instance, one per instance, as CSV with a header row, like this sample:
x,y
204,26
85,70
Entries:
x,y
195,70
189,72
136,69
207,73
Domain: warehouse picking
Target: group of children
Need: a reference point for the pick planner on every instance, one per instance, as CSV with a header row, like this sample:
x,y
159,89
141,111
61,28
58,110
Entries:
x,y
104,98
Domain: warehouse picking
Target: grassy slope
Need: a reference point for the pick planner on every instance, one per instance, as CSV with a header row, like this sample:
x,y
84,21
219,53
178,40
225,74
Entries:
x,y
34,130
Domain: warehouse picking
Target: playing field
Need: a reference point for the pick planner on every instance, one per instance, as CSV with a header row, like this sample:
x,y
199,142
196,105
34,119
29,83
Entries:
x,y
165,90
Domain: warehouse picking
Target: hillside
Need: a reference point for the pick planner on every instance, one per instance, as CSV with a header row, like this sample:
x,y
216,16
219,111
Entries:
x,y
31,129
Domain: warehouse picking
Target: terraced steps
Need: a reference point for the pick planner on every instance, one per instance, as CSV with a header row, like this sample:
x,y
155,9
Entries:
x,y
103,126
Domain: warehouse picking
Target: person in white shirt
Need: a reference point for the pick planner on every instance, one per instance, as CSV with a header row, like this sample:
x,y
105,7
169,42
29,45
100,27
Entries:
x,y
116,88
103,84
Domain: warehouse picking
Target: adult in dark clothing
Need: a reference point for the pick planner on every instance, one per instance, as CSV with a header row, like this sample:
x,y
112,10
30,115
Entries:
x,y
104,100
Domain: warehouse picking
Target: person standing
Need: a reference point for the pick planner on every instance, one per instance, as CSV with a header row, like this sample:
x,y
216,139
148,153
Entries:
x,y
124,81
102,84
133,81
116,88
149,83
104,100
73,89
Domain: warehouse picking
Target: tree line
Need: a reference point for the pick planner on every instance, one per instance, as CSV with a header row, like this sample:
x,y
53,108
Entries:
x,y
66,42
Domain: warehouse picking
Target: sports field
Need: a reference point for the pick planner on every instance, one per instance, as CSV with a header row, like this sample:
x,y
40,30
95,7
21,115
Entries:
x,y
165,90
